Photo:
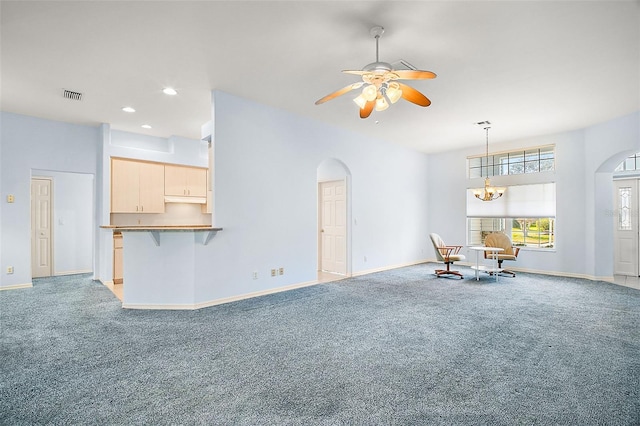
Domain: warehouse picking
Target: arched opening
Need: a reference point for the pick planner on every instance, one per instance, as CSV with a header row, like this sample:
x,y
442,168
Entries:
x,y
334,220
625,205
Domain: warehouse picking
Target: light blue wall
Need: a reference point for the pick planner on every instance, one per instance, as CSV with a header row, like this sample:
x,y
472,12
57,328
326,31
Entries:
x,y
27,144
266,174
585,160
266,194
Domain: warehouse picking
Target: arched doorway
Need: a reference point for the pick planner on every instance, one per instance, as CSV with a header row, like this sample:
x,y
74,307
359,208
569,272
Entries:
x,y
334,220
626,220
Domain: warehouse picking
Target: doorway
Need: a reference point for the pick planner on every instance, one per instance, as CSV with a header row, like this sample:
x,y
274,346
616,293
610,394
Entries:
x,y
626,226
62,223
332,225
41,232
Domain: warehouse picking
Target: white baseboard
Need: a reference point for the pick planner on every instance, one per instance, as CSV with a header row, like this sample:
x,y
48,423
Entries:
x,y
80,271
538,271
388,268
215,302
219,301
16,286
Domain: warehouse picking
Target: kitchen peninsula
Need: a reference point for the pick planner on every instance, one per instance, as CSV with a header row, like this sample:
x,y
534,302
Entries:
x,y
161,218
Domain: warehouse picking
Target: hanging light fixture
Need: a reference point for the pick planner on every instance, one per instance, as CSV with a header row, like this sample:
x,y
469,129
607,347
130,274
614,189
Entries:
x,y
381,84
488,193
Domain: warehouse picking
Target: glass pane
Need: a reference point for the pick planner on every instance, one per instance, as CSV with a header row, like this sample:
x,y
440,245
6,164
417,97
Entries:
x,y
546,153
516,168
532,167
515,157
475,162
630,164
546,165
475,172
624,209
532,155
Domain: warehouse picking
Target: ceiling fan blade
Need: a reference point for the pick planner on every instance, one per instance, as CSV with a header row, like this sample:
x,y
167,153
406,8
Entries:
x,y
340,92
368,107
356,72
413,74
412,95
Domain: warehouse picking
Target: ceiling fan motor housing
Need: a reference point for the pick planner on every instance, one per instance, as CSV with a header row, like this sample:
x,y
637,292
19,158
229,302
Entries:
x,y
378,67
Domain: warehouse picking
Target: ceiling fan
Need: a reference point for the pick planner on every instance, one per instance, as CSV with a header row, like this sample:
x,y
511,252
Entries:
x,y
381,83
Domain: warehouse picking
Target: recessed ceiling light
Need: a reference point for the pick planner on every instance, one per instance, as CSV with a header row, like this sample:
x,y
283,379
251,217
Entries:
x,y
169,91
145,126
128,109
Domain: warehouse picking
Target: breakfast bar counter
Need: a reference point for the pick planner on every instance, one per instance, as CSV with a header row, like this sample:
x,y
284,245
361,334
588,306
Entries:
x,y
161,272
207,231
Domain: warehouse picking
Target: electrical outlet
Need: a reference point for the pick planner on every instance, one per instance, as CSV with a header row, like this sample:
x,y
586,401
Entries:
x,y
9,269
281,271
273,272
255,275
365,258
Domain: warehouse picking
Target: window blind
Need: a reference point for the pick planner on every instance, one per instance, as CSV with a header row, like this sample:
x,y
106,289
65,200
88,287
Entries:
x,y
530,201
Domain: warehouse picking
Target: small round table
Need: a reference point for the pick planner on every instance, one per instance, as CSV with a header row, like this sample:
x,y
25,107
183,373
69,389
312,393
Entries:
x,y
493,254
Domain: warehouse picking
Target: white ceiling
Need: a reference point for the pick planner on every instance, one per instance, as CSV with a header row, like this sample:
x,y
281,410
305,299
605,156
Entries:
x,y
529,67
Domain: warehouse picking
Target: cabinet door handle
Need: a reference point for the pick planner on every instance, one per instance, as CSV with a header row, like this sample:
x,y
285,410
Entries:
x,y
141,208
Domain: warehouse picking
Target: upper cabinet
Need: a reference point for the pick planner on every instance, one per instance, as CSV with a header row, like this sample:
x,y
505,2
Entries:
x,y
136,186
185,181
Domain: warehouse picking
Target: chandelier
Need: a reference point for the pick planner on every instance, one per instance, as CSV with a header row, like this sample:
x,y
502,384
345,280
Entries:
x,y
488,193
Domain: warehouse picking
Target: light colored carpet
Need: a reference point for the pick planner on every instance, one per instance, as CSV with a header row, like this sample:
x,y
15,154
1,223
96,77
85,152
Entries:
x,y
394,348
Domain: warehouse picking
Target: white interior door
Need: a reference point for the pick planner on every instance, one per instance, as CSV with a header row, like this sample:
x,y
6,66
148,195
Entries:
x,y
333,227
41,234
626,227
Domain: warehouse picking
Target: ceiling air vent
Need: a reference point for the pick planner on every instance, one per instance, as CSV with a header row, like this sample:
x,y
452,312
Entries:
x,y
75,96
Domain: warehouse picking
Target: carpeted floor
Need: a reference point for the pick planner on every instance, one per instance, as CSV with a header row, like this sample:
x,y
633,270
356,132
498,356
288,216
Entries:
x,y
394,348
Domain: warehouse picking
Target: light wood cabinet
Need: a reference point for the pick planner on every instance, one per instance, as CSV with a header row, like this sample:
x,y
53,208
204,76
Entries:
x,y
136,186
185,181
117,258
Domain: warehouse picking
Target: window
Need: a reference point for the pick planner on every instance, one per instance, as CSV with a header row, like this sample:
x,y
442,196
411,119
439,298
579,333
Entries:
x,y
534,160
526,213
624,209
524,232
630,163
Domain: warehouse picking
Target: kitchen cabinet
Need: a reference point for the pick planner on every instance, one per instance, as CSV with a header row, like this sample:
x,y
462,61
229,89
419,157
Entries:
x,y
117,258
185,181
136,186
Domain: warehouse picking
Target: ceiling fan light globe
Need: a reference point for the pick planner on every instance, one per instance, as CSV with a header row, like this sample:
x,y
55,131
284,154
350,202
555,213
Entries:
x,y
370,92
394,93
360,101
381,104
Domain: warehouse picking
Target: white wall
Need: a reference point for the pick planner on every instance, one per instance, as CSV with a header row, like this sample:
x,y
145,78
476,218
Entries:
x,y
29,143
266,174
584,161
266,194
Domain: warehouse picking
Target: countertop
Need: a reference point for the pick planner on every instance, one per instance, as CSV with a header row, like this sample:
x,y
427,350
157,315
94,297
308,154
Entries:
x,y
162,228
